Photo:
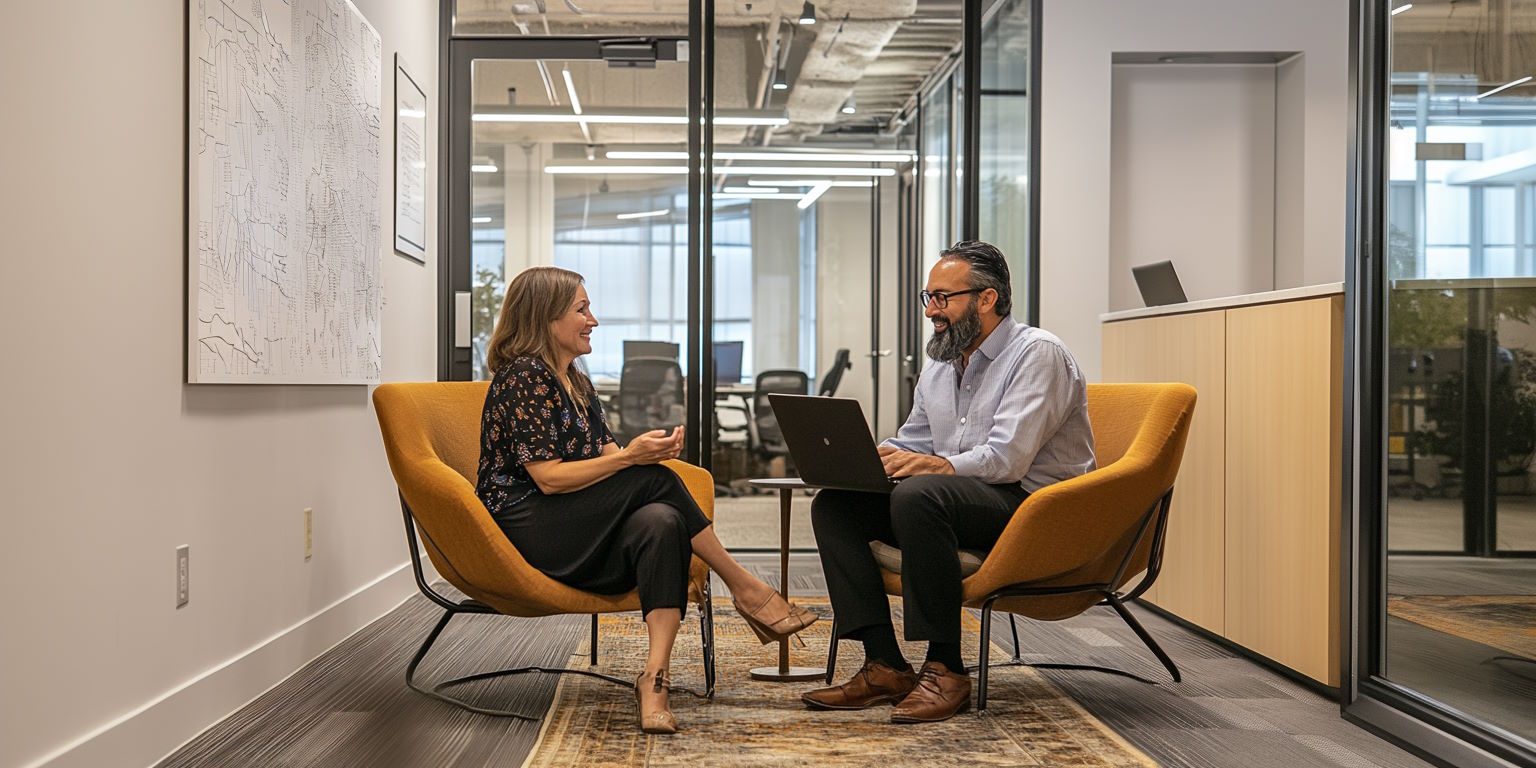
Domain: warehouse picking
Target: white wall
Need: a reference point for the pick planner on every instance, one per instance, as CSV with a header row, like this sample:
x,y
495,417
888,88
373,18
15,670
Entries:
x,y
1192,177
110,461
1290,175
1080,39
775,285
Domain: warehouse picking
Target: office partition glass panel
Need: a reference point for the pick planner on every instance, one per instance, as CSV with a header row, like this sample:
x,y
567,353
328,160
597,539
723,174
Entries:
x,y
1459,584
938,164
794,277
1003,218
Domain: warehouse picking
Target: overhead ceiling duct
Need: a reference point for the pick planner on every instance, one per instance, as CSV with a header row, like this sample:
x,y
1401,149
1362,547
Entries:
x,y
886,47
848,38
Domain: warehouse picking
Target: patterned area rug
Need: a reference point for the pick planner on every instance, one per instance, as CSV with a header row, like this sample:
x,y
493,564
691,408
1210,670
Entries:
x,y
1506,622
1029,721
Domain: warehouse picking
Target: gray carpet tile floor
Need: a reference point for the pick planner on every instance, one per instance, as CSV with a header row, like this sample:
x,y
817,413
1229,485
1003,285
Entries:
x,y
350,706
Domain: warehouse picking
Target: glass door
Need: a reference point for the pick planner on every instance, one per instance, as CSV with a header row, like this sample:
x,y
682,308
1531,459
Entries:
x,y
538,138
1446,656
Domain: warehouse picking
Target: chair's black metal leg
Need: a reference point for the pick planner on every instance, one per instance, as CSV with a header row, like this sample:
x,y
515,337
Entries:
x,y
594,640
1146,637
435,691
1015,627
421,653
832,652
986,646
707,635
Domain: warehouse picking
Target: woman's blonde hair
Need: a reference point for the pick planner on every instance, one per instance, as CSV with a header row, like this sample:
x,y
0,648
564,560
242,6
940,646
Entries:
x,y
536,298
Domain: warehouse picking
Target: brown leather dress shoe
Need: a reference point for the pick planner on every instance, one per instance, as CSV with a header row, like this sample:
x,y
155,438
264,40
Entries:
x,y
875,683
939,695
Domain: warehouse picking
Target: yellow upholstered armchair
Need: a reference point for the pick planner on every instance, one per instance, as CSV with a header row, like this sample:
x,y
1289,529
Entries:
x,y
432,438
1080,542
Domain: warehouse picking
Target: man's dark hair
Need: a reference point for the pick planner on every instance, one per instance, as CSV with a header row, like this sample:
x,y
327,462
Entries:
x,y
988,270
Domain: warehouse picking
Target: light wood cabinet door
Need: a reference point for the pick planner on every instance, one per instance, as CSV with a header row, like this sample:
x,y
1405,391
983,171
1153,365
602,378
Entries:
x,y
1282,492
1191,349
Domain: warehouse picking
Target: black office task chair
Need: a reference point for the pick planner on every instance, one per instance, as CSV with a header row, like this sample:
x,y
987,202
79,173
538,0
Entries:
x,y
770,440
834,375
650,396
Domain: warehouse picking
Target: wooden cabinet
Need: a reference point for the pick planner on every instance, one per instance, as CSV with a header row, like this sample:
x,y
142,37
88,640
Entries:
x,y
1253,536
1192,349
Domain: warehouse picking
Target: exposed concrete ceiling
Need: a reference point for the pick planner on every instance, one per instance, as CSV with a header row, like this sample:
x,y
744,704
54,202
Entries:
x,y
877,51
1492,40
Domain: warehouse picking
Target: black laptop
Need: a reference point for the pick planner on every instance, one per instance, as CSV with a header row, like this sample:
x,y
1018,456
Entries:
x,y
830,442
1159,284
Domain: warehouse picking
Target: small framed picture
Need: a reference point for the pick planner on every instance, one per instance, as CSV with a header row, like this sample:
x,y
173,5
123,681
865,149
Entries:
x,y
410,165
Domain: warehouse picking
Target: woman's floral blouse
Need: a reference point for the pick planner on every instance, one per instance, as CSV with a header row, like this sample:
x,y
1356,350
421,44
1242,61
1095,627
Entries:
x,y
528,417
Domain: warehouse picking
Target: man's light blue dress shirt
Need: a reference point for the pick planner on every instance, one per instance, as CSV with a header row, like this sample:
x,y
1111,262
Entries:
x,y
1019,412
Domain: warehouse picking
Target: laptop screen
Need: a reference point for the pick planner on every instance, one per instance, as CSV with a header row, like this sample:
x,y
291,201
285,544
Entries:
x,y
1158,284
728,362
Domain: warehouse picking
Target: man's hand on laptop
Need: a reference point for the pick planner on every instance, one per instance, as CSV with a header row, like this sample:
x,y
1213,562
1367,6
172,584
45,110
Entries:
x,y
899,463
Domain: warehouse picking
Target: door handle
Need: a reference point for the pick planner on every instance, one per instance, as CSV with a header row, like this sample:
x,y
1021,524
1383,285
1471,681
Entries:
x,y
461,315
880,353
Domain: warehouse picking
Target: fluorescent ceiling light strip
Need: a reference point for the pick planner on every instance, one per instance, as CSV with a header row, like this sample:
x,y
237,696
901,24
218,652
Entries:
x,y
481,168
815,193
749,190
621,119
739,170
768,170
618,170
644,214
1509,84
480,220
502,117
1401,8
801,157
751,120
759,196
570,89
807,183
637,155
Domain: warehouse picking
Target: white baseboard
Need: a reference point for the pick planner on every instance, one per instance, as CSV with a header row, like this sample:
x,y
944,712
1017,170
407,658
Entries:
x,y
148,734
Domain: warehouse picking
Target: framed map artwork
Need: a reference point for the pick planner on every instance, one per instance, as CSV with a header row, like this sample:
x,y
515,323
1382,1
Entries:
x,y
283,208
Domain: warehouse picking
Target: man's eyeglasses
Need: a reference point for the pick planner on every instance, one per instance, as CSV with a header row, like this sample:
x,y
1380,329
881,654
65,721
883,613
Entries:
x,y
941,299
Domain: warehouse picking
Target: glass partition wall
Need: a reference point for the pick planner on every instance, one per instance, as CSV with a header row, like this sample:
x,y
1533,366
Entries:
x,y
1445,655
828,145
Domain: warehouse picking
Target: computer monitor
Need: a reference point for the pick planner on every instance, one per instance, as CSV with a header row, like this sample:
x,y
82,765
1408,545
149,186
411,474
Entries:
x,y
645,348
1159,284
728,362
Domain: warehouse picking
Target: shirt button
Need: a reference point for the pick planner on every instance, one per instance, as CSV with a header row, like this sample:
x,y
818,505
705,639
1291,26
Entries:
x,y
967,387
962,419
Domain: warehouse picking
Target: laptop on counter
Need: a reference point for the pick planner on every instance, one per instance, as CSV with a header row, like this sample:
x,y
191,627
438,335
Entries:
x,y
1159,284
830,442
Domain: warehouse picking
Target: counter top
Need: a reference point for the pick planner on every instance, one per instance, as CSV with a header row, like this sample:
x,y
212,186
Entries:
x,y
1227,302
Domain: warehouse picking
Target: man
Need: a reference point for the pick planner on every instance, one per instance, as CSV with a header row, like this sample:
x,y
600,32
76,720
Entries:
x,y
1002,412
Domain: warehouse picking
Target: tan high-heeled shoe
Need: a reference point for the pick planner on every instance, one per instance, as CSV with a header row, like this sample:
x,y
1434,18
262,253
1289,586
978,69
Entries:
x,y
772,622
656,722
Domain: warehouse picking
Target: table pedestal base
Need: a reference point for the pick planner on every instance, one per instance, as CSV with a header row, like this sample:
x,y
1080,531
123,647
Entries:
x,y
789,674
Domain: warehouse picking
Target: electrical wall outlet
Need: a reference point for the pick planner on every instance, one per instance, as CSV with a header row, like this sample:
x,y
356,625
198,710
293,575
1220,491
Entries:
x,y
309,532
183,575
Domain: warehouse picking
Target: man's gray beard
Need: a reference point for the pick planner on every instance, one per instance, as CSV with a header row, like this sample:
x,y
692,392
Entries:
x,y
948,345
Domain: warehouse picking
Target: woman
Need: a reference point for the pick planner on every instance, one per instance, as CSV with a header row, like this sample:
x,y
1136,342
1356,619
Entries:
x,y
580,508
